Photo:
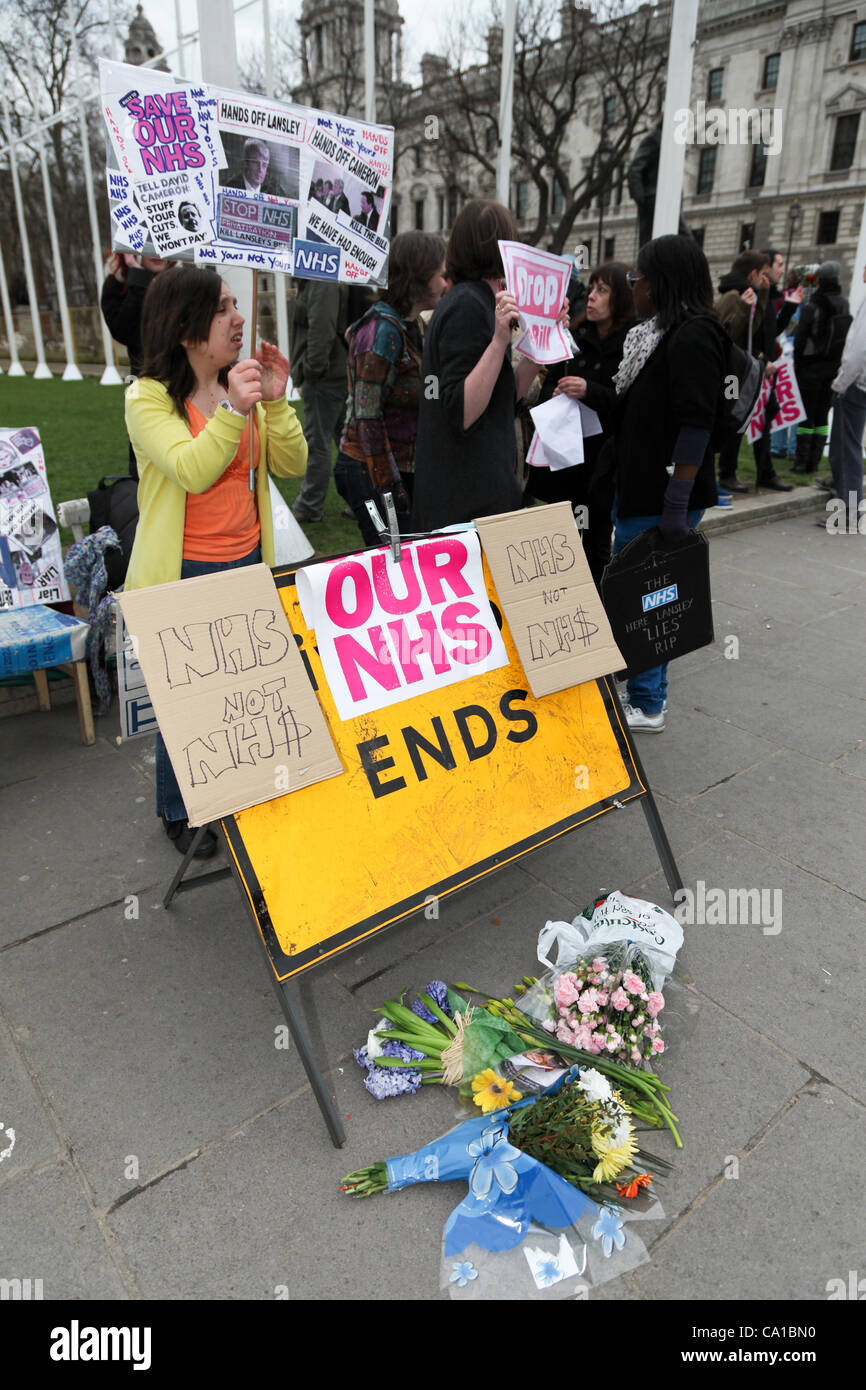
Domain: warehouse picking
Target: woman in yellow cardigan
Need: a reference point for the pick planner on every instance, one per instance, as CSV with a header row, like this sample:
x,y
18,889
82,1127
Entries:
x,y
204,504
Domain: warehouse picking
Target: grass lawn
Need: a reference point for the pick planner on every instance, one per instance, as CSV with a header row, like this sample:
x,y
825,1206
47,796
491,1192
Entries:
x,y
84,438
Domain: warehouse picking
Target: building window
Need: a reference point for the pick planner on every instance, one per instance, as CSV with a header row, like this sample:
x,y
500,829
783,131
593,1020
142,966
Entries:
x,y
490,141
453,205
698,235
771,72
440,211
609,244
419,158
828,228
747,236
706,169
609,110
844,141
419,214
521,200
557,201
714,84
759,166
858,43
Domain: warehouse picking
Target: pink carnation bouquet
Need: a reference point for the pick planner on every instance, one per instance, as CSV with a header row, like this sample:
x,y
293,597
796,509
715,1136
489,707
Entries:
x,y
606,1006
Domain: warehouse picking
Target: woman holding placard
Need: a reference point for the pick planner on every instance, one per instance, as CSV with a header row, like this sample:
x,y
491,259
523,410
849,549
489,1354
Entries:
x,y
204,501
599,333
466,451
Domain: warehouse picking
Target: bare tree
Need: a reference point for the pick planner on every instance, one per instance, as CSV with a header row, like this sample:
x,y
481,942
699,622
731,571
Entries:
x,y
604,68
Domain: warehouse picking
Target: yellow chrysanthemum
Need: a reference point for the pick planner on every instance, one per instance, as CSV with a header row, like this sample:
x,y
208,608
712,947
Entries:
x,y
613,1158
492,1091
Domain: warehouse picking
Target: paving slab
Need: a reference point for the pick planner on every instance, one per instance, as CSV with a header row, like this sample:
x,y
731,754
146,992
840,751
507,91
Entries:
x,y
163,1032
48,1233
26,1130
698,750
260,1215
777,1232
772,805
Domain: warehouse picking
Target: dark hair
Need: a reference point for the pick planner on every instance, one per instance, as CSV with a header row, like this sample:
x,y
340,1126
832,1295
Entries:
x,y
413,258
612,274
770,253
793,279
473,253
180,303
679,279
747,261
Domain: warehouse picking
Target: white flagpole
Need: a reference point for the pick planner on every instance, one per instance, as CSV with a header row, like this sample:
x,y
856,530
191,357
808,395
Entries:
x,y
280,281
678,96
110,376
15,368
369,61
179,31
506,106
858,289
71,372
42,370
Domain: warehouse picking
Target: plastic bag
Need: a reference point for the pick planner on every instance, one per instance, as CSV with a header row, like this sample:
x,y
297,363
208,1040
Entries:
x,y
615,917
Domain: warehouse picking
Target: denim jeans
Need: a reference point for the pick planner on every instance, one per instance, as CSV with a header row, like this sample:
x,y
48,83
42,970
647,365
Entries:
x,y
169,802
846,450
783,442
649,690
352,481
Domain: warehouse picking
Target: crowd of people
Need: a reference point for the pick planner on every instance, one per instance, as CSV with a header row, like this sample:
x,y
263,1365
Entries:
x,y
432,416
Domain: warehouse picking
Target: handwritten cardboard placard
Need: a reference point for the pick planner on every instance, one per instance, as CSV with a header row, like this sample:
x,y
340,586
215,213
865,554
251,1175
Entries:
x,y
387,631
546,591
235,707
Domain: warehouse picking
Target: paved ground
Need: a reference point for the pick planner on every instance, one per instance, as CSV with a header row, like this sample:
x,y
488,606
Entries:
x,y
164,1146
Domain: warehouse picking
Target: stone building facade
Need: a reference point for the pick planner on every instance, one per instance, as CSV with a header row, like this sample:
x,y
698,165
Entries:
x,y
798,66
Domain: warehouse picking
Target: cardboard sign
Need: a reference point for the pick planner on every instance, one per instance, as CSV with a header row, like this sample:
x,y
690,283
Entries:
x,y
538,280
31,561
387,631
546,591
441,789
791,410
235,707
136,711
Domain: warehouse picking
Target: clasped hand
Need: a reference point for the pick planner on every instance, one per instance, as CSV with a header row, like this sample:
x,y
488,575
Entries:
x,y
259,378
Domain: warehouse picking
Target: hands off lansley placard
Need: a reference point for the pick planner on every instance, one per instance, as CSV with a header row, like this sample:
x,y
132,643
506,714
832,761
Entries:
x,y
546,591
235,707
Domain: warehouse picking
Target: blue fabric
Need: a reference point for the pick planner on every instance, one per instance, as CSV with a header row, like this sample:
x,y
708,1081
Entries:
x,y
33,638
649,690
169,802
85,568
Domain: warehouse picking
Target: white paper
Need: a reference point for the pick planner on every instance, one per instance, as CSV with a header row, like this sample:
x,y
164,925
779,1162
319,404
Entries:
x,y
560,425
387,632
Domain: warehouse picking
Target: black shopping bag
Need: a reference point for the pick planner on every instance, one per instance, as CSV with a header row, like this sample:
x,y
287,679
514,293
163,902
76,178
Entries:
x,y
657,598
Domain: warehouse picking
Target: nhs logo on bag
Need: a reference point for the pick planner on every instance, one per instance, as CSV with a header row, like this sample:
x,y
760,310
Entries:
x,y
659,598
315,260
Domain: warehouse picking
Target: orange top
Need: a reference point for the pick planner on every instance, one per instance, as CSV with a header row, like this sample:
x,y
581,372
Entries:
x,y
223,522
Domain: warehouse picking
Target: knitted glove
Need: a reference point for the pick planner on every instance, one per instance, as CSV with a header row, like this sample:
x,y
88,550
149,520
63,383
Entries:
x,y
674,522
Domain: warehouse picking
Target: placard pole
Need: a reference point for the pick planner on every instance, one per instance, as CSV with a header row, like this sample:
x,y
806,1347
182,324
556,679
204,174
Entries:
x,y
253,317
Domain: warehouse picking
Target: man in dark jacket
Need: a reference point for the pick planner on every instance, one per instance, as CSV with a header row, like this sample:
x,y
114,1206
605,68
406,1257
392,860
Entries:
x,y
746,313
317,351
818,345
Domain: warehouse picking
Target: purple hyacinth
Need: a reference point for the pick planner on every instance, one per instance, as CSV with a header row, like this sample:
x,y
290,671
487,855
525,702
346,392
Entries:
x,y
438,992
383,1082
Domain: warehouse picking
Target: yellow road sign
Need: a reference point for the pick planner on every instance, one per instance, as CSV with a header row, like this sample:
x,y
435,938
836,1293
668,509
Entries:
x,y
438,791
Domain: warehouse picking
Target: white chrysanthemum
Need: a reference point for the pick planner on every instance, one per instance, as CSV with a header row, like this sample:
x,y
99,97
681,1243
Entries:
x,y
596,1086
621,1132
374,1044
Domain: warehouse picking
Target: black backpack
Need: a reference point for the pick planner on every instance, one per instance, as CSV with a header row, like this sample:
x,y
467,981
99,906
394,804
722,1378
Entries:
x,y
114,503
827,334
744,376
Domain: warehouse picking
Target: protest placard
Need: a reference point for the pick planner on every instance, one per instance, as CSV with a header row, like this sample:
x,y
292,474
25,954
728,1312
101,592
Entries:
x,y
232,178
791,410
387,630
238,715
548,597
31,562
538,281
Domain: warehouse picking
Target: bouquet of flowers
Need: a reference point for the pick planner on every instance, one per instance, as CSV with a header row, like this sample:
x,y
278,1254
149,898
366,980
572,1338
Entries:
x,y
606,1004
529,1169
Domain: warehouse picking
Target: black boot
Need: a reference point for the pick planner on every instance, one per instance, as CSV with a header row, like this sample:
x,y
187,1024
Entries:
x,y
816,452
804,452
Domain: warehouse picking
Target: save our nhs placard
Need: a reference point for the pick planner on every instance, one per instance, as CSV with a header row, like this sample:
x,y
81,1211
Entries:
x,y
387,630
233,178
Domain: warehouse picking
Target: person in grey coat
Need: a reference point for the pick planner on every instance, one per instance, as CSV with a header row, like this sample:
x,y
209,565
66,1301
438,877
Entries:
x,y
849,419
317,352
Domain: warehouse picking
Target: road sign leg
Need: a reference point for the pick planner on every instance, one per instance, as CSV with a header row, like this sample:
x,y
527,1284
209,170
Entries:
x,y
324,1095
